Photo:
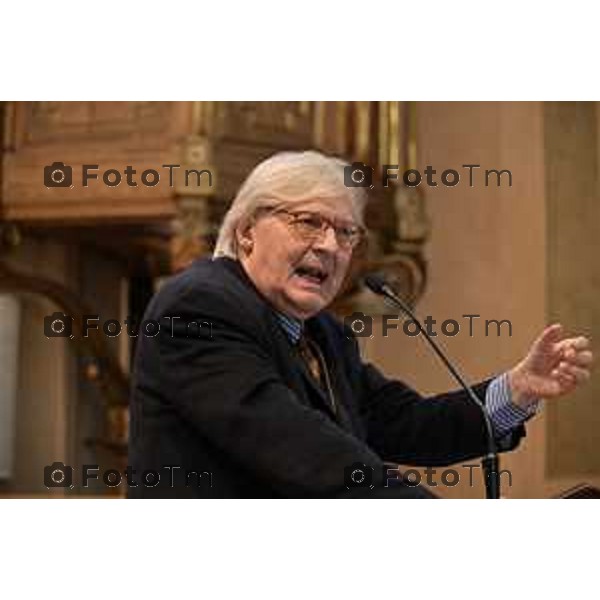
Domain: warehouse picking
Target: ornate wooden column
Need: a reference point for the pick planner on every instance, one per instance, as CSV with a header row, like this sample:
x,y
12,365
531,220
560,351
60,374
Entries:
x,y
379,134
193,226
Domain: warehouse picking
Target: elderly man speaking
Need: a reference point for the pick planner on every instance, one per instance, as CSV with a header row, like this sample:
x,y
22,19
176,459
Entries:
x,y
252,390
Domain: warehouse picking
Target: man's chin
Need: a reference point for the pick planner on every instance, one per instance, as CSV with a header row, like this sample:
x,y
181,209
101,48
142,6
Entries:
x,y
307,304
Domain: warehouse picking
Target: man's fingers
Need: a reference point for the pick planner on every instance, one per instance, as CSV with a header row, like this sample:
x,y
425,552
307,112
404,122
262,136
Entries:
x,y
574,350
583,358
578,373
566,381
581,343
551,334
549,341
577,343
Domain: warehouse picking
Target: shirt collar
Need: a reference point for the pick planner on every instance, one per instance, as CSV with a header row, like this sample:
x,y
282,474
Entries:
x,y
292,326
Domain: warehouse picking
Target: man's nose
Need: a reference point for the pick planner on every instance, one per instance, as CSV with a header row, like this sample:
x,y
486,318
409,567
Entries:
x,y
327,241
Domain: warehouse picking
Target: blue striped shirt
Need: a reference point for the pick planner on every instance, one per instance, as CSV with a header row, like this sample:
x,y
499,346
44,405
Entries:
x,y
504,414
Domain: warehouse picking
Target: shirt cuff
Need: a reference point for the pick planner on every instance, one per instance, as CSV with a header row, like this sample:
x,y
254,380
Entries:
x,y
504,414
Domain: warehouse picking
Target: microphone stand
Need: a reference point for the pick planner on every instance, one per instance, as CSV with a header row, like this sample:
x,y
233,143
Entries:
x,y
489,463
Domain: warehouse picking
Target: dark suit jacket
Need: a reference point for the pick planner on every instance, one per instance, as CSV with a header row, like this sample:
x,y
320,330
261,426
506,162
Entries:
x,y
233,403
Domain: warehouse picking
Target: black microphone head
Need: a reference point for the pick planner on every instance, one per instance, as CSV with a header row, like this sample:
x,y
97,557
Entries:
x,y
376,282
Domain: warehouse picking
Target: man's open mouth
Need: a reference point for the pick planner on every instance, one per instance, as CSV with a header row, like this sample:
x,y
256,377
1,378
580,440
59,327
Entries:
x,y
312,274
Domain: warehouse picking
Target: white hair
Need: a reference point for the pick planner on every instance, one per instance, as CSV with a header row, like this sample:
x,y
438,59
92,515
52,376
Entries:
x,y
285,178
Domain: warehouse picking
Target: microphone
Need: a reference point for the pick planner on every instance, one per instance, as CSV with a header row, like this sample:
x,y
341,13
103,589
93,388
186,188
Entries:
x,y
378,285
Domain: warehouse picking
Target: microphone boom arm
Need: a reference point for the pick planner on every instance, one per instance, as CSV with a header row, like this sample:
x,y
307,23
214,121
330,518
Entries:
x,y
490,465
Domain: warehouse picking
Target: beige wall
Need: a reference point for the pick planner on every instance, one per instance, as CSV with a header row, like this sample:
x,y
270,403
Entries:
x,y
46,382
57,411
573,225
487,255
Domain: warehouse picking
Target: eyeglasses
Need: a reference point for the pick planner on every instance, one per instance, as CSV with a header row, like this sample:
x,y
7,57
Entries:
x,y
313,226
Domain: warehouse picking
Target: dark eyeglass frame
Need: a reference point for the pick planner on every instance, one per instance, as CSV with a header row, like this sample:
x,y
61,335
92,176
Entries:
x,y
347,236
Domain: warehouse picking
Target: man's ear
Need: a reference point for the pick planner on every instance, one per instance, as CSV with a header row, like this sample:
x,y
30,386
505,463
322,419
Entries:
x,y
245,237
